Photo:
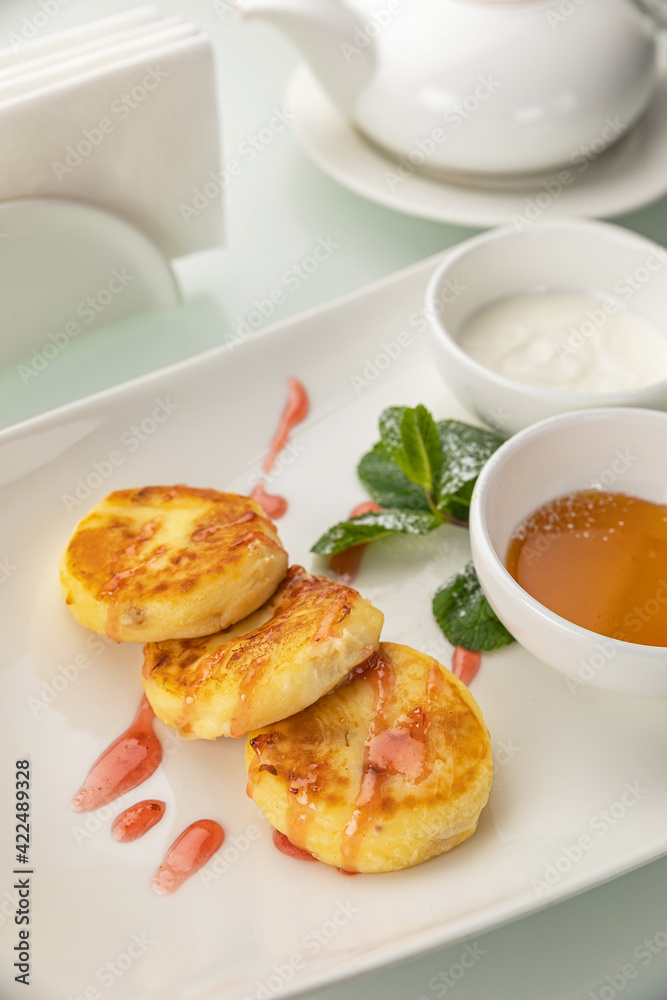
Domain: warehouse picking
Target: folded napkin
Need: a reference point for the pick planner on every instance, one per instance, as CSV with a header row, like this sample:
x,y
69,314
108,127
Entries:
x,y
23,48
131,126
29,62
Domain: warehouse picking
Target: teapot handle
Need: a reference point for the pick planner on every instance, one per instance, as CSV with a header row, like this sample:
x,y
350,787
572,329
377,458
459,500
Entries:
x,y
657,9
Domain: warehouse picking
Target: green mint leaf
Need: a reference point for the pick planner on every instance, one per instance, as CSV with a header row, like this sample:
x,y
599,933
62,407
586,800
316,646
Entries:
x,y
466,450
410,437
421,458
390,430
387,484
369,527
466,617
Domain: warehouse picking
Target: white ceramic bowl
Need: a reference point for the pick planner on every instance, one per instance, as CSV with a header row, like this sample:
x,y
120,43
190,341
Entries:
x,y
622,450
564,255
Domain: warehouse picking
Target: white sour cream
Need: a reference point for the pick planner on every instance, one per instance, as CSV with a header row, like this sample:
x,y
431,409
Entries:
x,y
576,343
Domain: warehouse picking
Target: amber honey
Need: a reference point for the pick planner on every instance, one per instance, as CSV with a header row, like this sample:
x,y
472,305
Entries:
x,y
600,561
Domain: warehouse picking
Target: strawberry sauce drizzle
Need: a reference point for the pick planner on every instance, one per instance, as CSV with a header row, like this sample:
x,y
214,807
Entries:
x,y
465,664
285,846
126,763
345,565
137,820
380,675
272,504
295,412
189,852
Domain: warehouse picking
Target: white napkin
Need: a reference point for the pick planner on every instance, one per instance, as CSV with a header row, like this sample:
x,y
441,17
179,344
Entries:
x,y
61,40
30,62
73,64
132,127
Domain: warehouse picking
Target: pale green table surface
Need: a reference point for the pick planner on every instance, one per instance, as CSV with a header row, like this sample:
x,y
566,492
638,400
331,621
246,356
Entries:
x,y
277,208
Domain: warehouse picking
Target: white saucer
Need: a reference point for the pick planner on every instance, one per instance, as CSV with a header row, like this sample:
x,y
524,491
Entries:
x,y
631,174
68,268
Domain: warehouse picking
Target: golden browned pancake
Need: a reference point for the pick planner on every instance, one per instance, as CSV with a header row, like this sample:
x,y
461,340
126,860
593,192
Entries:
x,y
274,663
391,768
167,561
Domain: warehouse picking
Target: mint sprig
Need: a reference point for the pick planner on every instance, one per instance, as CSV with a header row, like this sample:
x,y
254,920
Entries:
x,y
411,439
466,617
369,527
417,466
422,473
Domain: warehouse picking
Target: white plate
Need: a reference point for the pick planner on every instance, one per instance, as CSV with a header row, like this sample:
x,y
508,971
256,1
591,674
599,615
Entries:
x,y
630,174
55,256
564,761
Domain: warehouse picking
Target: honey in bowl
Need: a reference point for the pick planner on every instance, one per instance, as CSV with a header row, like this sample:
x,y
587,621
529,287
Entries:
x,y
599,560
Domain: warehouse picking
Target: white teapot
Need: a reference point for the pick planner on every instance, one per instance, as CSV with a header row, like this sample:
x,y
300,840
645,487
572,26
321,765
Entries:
x,y
490,88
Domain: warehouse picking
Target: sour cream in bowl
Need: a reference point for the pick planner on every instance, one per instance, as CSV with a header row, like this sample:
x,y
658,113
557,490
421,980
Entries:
x,y
531,321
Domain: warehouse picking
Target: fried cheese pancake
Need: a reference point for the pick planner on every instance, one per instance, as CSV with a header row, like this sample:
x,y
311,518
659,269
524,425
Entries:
x,y
391,768
274,663
167,561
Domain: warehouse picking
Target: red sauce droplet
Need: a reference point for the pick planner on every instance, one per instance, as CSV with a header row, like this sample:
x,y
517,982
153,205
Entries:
x,y
273,505
189,852
436,681
128,762
380,675
345,565
465,663
397,751
134,822
285,846
296,410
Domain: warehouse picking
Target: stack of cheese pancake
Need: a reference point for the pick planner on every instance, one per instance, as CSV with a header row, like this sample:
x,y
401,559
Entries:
x,y
370,756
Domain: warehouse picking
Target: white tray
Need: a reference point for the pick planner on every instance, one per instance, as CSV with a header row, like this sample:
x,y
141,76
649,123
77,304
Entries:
x,y
563,760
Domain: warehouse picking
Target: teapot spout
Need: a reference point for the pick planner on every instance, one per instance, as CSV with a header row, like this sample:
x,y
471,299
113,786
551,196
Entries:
x,y
327,33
